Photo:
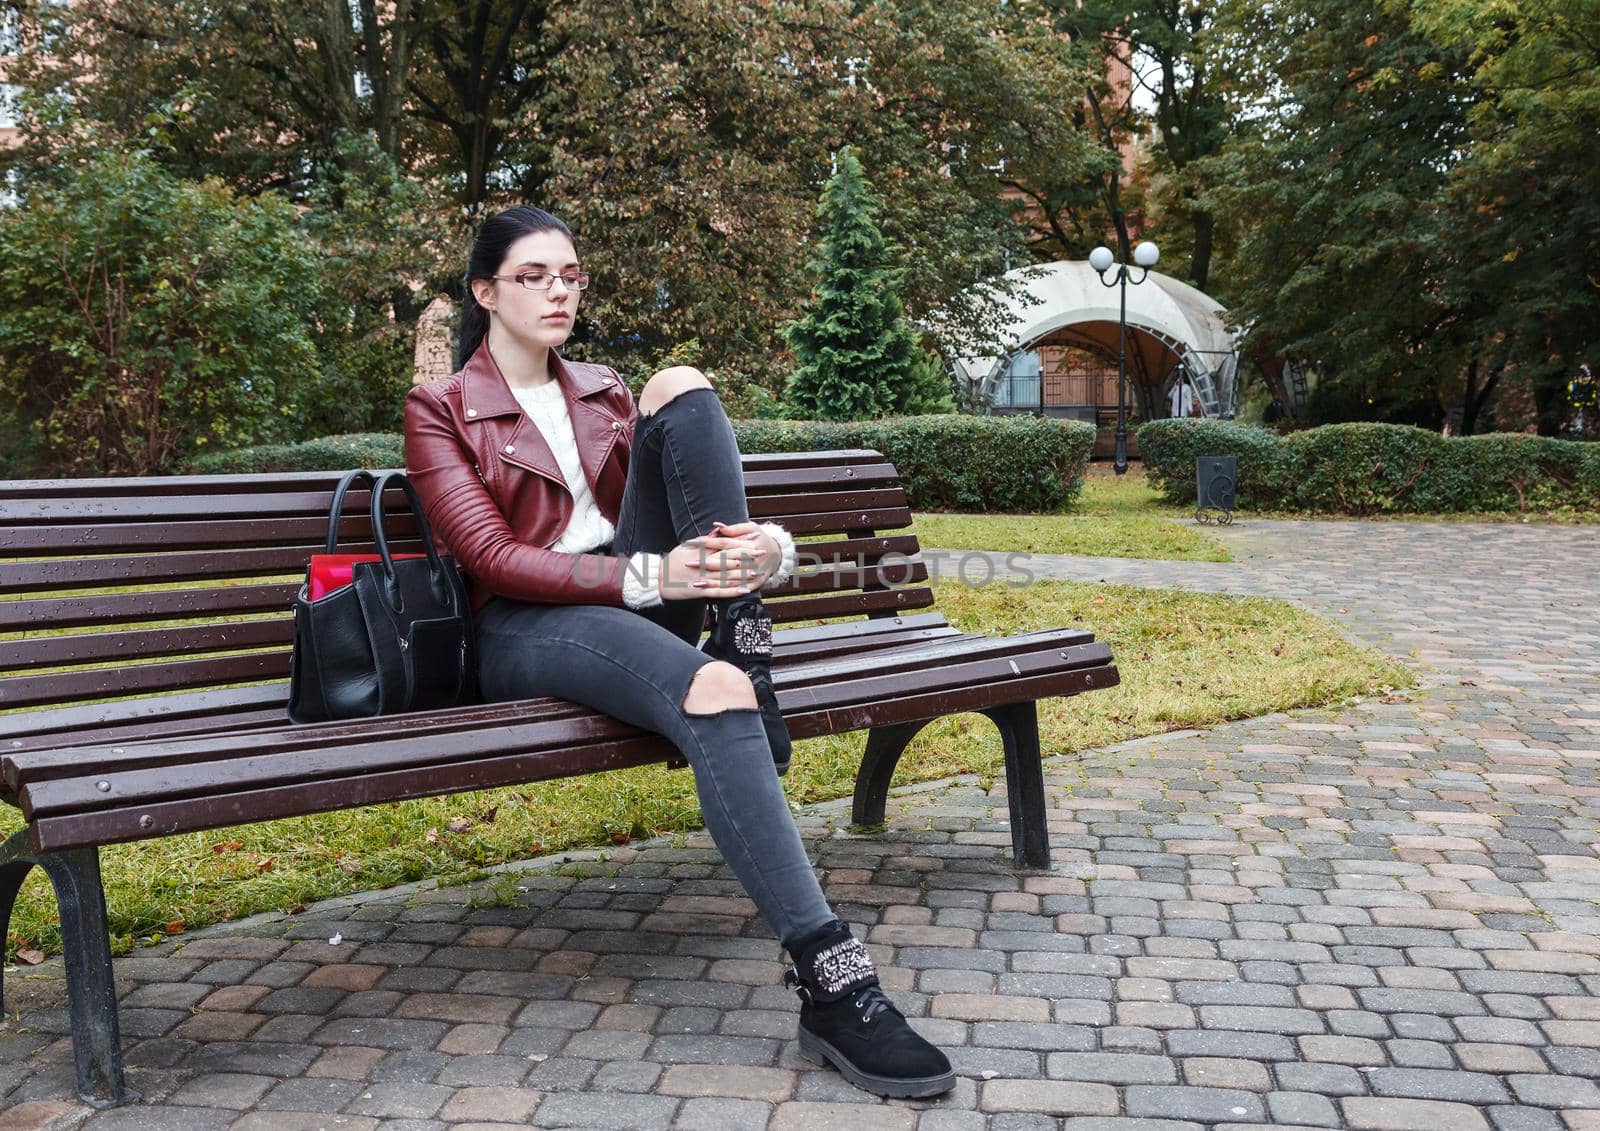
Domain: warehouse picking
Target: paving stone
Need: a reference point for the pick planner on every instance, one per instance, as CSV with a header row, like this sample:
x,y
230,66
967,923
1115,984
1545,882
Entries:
x,y
223,1089
1376,1114
1111,1068
306,1095
801,1116
631,1076
1209,1105
499,1104
1509,1118
1048,1097
1563,1092
717,1114
167,1117
400,1100
302,1121
620,1112
1324,1079
1302,1109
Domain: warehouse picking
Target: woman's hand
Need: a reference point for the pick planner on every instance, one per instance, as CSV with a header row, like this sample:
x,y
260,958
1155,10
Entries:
x,y
769,554
729,562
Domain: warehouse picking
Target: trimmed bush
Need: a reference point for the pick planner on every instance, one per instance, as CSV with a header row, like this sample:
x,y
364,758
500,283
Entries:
x,y
1516,472
971,463
1361,469
951,462
329,453
1168,449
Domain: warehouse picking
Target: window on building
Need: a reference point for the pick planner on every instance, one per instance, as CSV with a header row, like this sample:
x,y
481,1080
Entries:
x,y
8,105
1019,381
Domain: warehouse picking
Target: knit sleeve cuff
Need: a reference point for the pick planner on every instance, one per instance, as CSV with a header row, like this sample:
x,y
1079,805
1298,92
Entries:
x,y
785,542
641,581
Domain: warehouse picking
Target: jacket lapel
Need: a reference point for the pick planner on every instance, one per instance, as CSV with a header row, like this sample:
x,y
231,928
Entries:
x,y
593,425
486,396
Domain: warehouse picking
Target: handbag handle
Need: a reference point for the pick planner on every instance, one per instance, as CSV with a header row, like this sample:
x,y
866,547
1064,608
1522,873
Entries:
x,y
348,480
381,536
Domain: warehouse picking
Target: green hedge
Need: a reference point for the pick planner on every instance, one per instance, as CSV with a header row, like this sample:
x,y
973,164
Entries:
x,y
953,462
1168,449
1363,469
947,462
329,453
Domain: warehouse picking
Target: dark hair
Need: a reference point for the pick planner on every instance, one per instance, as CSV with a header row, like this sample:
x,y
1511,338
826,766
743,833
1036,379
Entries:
x,y
489,249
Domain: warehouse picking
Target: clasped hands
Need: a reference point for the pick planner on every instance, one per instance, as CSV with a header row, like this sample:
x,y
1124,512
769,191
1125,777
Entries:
x,y
730,561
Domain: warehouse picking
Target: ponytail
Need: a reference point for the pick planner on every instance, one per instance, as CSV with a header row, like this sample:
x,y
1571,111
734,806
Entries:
x,y
474,327
488,253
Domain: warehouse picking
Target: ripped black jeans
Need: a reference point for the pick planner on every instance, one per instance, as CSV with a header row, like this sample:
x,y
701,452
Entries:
x,y
636,665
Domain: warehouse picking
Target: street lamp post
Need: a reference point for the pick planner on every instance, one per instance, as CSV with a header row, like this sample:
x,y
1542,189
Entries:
x,y
1146,255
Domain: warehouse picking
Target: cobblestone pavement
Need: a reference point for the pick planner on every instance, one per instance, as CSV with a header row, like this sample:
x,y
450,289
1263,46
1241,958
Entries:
x,y
1383,916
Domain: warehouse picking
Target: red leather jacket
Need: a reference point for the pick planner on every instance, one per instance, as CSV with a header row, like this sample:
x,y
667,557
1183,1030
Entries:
x,y
493,491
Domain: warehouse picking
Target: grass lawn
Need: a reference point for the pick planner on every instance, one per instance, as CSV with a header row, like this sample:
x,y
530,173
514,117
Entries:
x,y
1116,517
1186,659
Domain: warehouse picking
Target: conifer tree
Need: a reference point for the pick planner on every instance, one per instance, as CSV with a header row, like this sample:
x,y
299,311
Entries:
x,y
859,357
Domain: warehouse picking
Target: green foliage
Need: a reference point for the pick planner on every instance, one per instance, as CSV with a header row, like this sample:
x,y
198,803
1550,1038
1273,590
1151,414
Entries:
x,y
948,462
1168,449
1368,468
1513,471
859,358
1398,176
1362,468
376,234
143,318
327,453
691,144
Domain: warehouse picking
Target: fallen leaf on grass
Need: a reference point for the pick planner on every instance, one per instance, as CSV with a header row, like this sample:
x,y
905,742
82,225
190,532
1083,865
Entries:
x,y
459,824
431,836
174,927
30,957
226,846
265,865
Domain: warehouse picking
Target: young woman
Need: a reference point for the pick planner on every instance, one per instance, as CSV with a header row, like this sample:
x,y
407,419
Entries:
x,y
594,539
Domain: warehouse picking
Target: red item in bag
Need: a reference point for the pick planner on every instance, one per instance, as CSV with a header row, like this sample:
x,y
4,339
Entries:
x,y
331,572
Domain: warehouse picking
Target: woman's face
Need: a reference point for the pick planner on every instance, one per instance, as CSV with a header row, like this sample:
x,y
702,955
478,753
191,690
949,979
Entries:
x,y
534,318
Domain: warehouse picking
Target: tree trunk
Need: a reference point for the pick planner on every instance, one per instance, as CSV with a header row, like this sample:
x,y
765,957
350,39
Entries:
x,y
1200,264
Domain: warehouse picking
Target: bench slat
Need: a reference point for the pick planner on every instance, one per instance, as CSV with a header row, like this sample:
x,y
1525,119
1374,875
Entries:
x,y
844,604
90,683
53,833
98,647
166,604
838,502
211,709
270,561
206,765
879,653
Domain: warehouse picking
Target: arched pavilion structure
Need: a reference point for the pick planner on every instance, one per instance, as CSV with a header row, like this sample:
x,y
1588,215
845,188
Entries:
x,y
1064,360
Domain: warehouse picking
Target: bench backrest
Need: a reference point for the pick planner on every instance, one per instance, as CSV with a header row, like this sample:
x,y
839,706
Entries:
x,y
138,587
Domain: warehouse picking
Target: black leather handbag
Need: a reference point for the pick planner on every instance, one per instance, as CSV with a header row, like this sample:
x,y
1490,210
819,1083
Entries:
x,y
397,638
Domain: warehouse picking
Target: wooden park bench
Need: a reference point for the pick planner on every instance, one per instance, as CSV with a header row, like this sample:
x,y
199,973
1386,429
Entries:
x,y
144,650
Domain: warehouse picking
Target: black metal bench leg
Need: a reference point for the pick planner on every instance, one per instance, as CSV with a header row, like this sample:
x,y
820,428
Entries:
x,y
91,990
12,873
884,747
1030,834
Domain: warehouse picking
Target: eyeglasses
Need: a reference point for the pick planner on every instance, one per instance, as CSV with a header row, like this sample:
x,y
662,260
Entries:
x,y
543,281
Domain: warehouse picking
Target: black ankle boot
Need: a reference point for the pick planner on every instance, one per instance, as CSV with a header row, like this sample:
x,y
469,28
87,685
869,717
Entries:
x,y
847,1019
741,634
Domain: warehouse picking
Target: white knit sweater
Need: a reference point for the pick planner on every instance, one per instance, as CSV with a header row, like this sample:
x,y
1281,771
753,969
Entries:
x,y
588,529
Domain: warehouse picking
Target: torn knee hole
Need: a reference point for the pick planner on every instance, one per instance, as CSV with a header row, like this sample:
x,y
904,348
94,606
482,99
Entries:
x,y
718,687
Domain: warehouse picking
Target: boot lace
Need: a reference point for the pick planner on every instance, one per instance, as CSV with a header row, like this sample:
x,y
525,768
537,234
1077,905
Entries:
x,y
872,1001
